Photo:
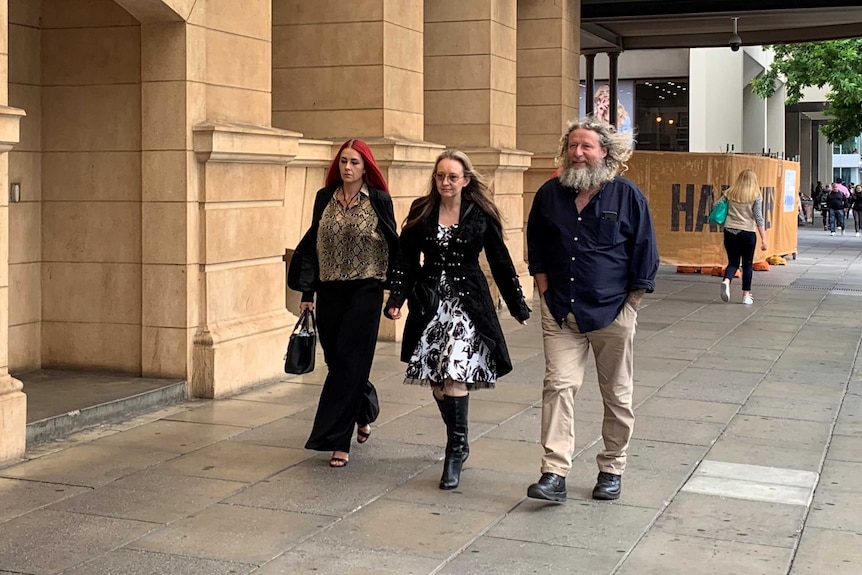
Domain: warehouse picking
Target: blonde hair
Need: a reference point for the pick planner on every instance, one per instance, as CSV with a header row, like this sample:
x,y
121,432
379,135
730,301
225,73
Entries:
x,y
745,189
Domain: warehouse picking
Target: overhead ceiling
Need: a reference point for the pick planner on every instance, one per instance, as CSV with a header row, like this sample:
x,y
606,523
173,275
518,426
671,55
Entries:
x,y
612,25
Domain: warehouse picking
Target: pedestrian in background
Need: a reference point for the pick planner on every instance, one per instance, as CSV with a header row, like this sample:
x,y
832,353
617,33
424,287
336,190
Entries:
x,y
856,206
743,224
457,344
346,258
836,201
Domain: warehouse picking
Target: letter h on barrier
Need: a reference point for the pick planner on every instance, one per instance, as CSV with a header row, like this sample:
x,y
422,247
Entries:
x,y
694,221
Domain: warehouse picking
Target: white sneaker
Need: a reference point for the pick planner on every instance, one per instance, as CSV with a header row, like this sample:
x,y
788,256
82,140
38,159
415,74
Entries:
x,y
748,300
857,234
725,292
831,233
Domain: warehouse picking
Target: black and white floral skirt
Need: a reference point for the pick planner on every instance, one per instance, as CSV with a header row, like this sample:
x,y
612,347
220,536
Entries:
x,y
450,347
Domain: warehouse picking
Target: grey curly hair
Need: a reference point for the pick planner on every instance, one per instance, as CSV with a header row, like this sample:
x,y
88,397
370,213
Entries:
x,y
618,145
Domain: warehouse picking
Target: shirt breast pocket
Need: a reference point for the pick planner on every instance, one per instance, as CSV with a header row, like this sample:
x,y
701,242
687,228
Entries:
x,y
609,232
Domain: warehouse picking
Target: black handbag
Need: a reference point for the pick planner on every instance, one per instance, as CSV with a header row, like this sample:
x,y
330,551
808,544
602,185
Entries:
x,y
300,350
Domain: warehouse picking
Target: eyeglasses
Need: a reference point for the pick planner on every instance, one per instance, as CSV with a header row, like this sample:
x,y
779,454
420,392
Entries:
x,y
451,178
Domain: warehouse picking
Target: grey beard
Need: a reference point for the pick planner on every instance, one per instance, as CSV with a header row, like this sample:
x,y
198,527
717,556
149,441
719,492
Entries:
x,y
586,178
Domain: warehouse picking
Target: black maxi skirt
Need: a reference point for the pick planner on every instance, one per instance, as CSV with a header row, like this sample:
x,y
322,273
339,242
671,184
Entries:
x,y
348,317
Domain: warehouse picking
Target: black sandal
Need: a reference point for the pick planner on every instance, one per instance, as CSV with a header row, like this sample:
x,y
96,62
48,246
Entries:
x,y
361,436
338,462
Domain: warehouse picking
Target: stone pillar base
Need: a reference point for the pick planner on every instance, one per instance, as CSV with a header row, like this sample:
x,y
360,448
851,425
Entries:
x,y
232,356
13,420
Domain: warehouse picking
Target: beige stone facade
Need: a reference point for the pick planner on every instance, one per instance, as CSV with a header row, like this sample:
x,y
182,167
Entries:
x,y
168,151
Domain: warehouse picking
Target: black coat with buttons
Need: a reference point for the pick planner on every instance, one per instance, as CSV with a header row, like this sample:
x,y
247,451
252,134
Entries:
x,y
476,231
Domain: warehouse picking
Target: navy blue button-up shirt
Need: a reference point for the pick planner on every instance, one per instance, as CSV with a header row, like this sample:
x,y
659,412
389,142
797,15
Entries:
x,y
594,258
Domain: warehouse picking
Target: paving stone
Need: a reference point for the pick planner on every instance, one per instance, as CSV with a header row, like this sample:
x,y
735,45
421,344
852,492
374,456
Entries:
x,y
293,396
494,555
233,533
752,482
45,542
790,409
289,432
656,348
132,562
89,464
711,385
661,553
753,360
504,456
235,461
424,531
150,496
815,373
688,409
18,497
583,524
770,453
676,430
479,490
420,430
845,448
314,487
237,412
843,475
173,436
727,519
784,390
527,426
332,558
835,509
828,551
802,434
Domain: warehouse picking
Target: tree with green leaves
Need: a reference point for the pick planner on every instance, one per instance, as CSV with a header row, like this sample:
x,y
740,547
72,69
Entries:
x,y
836,64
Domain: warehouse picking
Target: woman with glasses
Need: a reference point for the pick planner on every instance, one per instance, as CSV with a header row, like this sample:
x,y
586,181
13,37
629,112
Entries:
x,y
346,259
452,340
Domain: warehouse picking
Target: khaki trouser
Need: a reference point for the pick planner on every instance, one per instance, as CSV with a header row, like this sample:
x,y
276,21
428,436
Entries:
x,y
566,351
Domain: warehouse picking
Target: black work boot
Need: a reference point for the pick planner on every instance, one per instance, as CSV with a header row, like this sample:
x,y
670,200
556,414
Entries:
x,y
608,486
551,487
457,448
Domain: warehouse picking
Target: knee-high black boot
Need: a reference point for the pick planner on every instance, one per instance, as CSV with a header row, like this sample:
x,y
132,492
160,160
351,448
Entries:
x,y
446,416
457,446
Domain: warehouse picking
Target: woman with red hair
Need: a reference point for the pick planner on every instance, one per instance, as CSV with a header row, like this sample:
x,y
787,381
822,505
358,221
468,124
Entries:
x,y
346,259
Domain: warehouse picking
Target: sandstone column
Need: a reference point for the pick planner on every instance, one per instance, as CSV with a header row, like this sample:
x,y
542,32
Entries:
x,y
212,210
13,402
470,98
548,46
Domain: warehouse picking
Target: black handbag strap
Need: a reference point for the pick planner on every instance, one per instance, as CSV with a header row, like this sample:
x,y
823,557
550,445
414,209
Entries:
x,y
303,321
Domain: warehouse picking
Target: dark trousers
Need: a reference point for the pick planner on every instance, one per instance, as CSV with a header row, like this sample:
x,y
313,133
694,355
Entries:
x,y
348,315
740,247
836,219
857,220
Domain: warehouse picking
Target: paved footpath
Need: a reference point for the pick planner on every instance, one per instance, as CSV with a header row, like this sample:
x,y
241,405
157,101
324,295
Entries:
x,y
746,460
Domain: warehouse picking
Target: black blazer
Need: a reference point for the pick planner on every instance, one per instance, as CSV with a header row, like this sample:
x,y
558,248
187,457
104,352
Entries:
x,y
476,231
303,274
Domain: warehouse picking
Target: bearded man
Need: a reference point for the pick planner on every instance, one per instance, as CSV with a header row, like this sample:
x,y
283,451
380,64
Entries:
x,y
592,250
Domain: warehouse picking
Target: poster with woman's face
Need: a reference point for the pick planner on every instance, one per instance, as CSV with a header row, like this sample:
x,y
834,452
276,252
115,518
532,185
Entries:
x,y
602,101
